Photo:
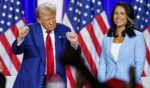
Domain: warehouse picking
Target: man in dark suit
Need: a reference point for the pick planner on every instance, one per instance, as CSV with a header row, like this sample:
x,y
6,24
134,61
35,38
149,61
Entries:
x,y
33,42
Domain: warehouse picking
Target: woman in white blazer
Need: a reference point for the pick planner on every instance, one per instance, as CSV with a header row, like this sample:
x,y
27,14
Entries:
x,y
122,47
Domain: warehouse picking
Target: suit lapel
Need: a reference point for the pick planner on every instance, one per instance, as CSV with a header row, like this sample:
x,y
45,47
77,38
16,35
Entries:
x,y
110,41
123,47
39,41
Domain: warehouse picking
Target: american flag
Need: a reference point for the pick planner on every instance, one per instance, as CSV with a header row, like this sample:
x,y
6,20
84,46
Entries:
x,y
88,19
142,21
11,19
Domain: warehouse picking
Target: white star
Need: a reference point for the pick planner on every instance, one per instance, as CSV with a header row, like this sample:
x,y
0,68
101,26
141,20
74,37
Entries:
x,y
22,12
91,16
75,18
147,13
142,26
137,0
11,8
78,20
2,22
84,22
1,29
80,4
148,5
98,10
17,10
12,1
93,1
72,1
4,6
77,28
8,23
87,6
70,9
76,10
146,20
99,3
85,14
3,14
18,3
139,9
9,16
141,1
16,18
138,17
79,12
135,7
6,0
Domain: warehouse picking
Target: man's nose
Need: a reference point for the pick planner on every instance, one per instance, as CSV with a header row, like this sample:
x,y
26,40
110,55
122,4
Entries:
x,y
51,22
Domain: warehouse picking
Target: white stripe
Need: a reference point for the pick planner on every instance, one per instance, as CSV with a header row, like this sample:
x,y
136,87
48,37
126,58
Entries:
x,y
85,61
147,69
20,24
7,61
67,22
90,46
68,83
10,37
147,38
59,8
73,72
103,14
97,31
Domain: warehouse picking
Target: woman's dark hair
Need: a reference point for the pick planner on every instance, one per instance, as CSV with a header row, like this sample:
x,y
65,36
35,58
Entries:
x,y
130,24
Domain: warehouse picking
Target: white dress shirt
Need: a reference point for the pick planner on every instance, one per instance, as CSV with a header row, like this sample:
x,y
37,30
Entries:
x,y
115,50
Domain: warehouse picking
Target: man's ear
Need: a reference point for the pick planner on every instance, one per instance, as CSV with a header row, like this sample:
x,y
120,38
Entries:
x,y
38,20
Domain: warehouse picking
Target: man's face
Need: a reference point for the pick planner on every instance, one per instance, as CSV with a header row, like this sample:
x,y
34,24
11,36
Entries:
x,y
48,21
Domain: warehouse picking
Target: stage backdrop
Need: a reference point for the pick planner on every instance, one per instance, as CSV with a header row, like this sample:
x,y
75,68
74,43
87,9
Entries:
x,y
73,13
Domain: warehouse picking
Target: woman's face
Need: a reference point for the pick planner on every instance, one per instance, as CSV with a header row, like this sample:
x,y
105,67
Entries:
x,y
120,17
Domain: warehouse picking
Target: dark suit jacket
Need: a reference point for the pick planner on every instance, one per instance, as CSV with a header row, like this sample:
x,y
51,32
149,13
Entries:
x,y
32,70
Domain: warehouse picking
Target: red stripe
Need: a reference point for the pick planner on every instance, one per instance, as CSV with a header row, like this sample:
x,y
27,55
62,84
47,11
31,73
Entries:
x,y
102,24
87,54
8,49
148,28
94,39
70,77
5,70
143,74
147,55
14,30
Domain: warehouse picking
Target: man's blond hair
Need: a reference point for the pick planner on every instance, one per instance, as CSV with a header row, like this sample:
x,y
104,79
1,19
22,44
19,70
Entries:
x,y
45,8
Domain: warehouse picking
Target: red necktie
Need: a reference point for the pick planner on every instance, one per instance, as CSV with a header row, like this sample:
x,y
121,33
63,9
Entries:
x,y
50,57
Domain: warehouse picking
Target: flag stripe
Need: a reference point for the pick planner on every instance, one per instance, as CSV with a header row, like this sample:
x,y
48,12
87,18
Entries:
x,y
70,76
7,60
87,55
8,49
94,39
97,31
148,28
147,55
5,70
14,29
102,24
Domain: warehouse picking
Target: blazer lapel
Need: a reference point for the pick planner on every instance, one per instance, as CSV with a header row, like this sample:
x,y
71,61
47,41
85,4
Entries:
x,y
109,44
123,47
39,41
